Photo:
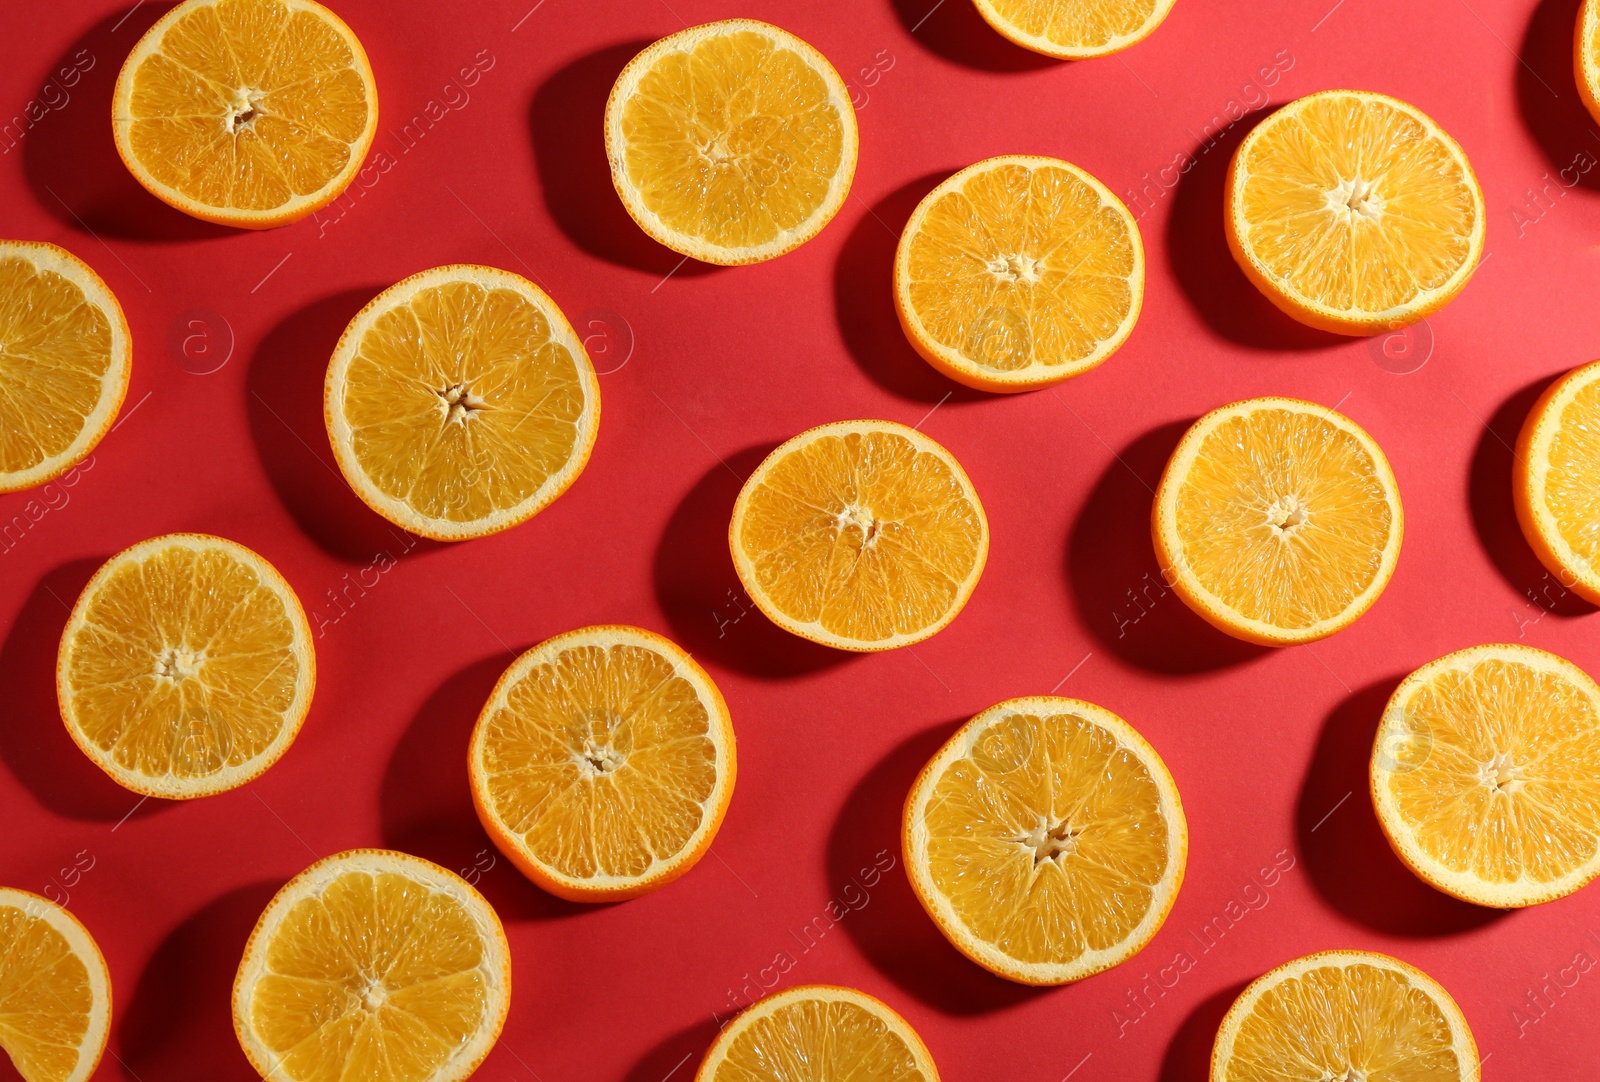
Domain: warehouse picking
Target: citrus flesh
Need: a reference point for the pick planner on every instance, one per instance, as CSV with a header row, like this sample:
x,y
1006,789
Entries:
x,y
247,113
1344,1015
460,402
1586,56
55,991
818,1032
1074,29
186,668
603,763
1277,520
1046,840
1019,272
372,965
1556,485
1486,775
732,142
64,362
862,535
1354,212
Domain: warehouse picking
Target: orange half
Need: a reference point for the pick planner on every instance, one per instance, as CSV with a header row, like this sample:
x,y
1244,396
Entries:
x,y
818,1033
55,991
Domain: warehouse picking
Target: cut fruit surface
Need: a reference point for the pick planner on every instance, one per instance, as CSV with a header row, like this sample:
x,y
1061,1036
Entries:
x,y
1046,840
1344,1015
731,142
862,535
1018,272
372,964
1354,212
64,362
250,113
1486,775
1277,520
1074,29
817,1033
1556,482
603,763
1586,56
460,402
186,668
55,991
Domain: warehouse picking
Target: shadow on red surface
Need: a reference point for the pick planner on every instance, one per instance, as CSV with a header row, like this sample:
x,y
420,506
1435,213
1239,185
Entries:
x,y
891,928
33,741
1547,99
1188,1057
676,1057
954,30
1344,848
1116,580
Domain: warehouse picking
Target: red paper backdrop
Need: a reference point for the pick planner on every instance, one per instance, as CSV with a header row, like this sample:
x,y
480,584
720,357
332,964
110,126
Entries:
x,y
705,370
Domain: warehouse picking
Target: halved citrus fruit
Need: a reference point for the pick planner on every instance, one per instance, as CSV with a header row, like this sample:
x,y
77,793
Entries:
x,y
603,763
1486,775
186,668
1354,212
1586,55
1556,484
460,402
1345,1015
64,362
731,142
863,535
55,991
818,1032
372,964
250,113
1018,272
1074,29
1277,520
1046,840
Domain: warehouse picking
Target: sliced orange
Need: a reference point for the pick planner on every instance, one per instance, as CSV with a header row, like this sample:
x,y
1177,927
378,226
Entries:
x,y
732,142
1074,29
1277,520
1556,488
1354,212
1486,775
250,113
818,1033
1018,272
862,535
372,964
603,763
1586,56
1046,840
460,402
1345,1015
55,991
186,668
64,362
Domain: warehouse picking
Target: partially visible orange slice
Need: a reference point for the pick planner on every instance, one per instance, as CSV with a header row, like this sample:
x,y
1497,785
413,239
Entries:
x,y
1556,488
1586,56
55,991
249,113
64,362
603,763
1075,29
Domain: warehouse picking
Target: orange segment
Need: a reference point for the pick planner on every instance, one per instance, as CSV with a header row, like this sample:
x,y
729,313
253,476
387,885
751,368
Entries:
x,y
186,668
1556,487
1345,1015
1018,272
814,1033
460,402
249,113
1277,520
603,763
1046,840
863,535
373,964
1074,29
64,361
55,991
732,142
1354,212
1486,775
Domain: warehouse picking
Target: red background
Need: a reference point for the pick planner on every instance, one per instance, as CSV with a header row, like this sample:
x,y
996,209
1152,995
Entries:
x,y
724,365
